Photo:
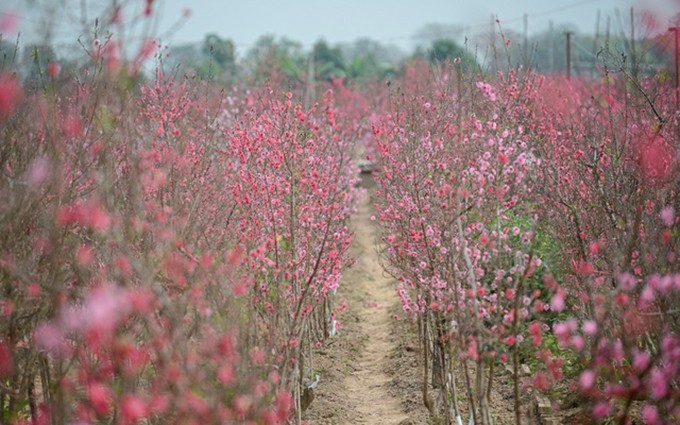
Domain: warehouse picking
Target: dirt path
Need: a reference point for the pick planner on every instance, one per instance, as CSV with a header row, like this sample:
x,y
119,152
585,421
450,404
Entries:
x,y
368,385
359,367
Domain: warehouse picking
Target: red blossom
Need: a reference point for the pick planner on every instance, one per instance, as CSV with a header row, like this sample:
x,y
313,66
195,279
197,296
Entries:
x,y
53,69
6,360
132,409
9,22
147,7
100,398
11,93
656,160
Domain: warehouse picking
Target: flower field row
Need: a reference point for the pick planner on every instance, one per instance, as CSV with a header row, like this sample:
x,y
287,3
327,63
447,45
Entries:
x,y
530,221
168,254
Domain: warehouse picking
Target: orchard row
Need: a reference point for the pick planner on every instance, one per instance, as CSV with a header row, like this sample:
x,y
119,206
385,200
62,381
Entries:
x,y
169,250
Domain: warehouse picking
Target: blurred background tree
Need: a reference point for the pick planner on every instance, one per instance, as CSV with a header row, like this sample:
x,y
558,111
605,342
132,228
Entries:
x,y
328,61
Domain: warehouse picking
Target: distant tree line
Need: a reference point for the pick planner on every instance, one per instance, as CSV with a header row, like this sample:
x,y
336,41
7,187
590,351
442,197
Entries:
x,y
366,59
218,58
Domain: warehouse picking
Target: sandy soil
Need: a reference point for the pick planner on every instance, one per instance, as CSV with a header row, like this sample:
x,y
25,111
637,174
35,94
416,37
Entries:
x,y
360,368
368,386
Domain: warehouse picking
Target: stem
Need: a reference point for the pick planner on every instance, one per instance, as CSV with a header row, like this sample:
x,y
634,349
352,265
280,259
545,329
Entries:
x,y
426,348
31,402
515,347
490,381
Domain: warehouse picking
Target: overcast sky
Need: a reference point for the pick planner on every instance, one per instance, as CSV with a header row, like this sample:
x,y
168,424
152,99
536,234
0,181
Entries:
x,y
387,21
